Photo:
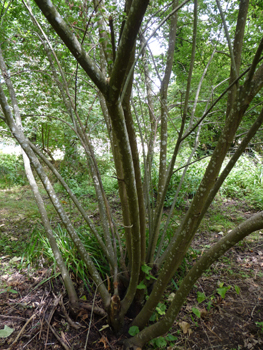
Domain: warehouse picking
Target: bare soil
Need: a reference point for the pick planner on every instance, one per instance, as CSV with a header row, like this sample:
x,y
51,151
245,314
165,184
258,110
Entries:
x,y
34,303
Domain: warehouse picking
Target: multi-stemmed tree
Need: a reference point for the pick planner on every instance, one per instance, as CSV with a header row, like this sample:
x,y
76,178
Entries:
x,y
209,59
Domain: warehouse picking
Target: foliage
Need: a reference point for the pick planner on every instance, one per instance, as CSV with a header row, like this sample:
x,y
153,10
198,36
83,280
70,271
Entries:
x,y
260,325
11,171
245,180
130,120
39,253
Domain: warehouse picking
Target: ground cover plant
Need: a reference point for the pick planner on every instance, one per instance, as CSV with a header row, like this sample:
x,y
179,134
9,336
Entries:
x,y
96,88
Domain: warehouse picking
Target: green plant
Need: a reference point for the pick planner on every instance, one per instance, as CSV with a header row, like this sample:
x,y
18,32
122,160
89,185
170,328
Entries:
x,y
222,290
8,290
245,180
159,311
126,114
39,252
209,305
260,325
11,171
163,342
147,271
196,311
200,297
133,330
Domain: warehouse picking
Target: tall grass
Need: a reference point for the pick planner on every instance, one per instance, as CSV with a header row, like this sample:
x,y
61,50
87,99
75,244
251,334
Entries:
x,y
39,253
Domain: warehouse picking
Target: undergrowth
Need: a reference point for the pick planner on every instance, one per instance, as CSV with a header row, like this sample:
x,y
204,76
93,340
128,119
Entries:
x,y
39,253
11,171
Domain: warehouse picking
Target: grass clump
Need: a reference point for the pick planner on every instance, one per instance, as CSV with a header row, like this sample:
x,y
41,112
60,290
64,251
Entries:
x,y
39,252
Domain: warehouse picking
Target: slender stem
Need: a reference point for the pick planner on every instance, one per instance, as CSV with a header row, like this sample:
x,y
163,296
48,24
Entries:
x,y
233,63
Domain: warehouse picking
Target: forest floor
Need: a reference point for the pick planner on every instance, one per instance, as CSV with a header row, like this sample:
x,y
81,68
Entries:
x,y
223,311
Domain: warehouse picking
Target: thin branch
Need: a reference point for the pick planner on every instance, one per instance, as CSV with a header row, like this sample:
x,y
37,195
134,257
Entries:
x,y
70,40
112,34
233,63
143,47
212,106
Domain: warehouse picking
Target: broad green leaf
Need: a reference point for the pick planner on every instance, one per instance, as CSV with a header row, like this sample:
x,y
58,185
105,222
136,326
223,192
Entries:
x,y
200,297
146,269
237,289
141,285
161,308
222,291
153,317
196,311
6,332
170,337
134,330
12,291
160,342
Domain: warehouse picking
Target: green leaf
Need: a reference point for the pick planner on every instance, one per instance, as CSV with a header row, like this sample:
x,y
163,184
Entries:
x,y
161,308
12,291
134,330
237,289
209,305
170,337
160,342
222,291
153,317
200,297
146,269
196,312
141,285
6,332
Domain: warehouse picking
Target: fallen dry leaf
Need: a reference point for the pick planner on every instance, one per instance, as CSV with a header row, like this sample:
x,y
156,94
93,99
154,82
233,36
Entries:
x,y
104,341
203,313
185,326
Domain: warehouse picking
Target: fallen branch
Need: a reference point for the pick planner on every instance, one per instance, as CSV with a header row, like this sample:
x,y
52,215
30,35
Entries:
x,y
96,309
56,302
62,342
73,324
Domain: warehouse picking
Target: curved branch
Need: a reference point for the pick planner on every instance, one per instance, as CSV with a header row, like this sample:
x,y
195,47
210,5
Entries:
x,y
233,63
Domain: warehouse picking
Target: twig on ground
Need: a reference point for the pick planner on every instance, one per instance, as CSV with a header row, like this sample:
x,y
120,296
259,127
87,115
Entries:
x,y
253,310
91,314
206,334
72,324
31,339
22,331
105,339
62,342
14,317
213,332
56,302
96,309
